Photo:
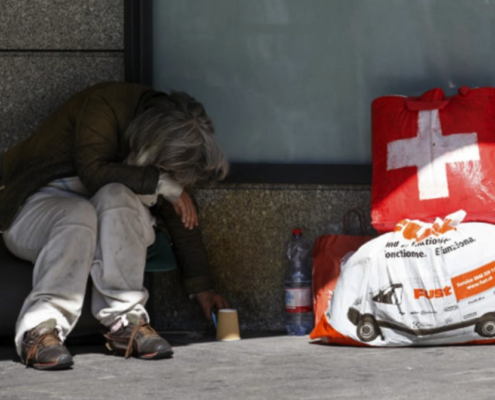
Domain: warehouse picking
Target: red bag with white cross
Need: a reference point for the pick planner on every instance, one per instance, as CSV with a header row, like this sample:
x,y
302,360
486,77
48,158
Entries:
x,y
433,155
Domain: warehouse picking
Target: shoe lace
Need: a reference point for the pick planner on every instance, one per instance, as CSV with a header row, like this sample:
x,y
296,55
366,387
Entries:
x,y
145,329
46,339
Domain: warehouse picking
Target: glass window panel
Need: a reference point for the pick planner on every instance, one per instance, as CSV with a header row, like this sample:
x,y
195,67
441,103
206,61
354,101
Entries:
x,y
291,81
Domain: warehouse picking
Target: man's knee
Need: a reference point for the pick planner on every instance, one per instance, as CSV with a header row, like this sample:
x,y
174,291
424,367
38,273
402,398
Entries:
x,y
114,195
78,212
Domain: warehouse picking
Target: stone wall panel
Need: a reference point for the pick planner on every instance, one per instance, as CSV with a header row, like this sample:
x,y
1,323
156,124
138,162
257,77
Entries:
x,y
245,229
32,85
62,24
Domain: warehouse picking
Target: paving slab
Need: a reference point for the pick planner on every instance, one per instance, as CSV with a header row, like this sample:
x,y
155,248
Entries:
x,y
275,367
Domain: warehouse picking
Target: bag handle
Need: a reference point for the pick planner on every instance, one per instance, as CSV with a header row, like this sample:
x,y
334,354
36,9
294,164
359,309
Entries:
x,y
361,218
433,99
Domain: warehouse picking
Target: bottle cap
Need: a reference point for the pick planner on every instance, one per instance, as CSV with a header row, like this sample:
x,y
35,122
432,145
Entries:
x,y
296,232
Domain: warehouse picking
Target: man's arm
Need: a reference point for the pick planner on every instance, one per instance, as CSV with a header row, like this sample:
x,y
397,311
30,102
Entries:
x,y
189,250
191,254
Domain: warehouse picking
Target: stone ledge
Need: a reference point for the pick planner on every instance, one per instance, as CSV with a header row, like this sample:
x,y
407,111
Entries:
x,y
281,186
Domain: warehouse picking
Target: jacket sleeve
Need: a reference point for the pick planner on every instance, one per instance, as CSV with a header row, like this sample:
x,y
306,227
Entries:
x,y
189,250
96,148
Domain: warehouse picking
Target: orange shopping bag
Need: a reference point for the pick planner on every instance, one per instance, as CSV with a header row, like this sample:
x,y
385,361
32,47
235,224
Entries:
x,y
328,253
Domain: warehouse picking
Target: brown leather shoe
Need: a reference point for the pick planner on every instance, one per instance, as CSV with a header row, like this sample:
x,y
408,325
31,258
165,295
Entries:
x,y
43,349
141,340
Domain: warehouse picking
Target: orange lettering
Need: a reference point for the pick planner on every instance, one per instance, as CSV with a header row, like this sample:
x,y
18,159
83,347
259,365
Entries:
x,y
446,226
433,293
427,233
410,230
400,225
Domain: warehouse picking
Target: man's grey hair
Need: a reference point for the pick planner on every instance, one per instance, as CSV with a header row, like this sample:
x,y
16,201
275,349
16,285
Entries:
x,y
176,135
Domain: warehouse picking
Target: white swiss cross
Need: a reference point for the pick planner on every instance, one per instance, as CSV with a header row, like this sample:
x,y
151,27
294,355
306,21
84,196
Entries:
x,y
431,151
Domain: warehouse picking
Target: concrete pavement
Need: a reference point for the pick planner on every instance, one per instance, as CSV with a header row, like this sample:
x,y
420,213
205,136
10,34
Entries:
x,y
274,367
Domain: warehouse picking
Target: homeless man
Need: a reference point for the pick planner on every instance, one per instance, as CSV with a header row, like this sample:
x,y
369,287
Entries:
x,y
75,200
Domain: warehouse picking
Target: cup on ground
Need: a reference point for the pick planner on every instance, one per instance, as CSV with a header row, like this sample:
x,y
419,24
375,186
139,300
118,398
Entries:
x,y
228,325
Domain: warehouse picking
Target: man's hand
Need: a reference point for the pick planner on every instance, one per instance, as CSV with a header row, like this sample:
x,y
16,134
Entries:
x,y
186,209
209,300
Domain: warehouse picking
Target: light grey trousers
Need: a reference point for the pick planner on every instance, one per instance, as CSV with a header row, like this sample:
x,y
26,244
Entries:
x,y
68,236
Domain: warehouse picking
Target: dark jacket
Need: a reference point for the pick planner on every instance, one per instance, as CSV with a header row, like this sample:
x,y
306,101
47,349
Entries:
x,y
84,138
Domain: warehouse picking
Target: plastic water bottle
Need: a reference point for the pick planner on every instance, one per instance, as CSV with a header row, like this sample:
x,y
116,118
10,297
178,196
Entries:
x,y
298,298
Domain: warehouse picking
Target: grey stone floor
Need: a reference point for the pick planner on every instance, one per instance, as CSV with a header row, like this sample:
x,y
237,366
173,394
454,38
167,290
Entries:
x,y
269,367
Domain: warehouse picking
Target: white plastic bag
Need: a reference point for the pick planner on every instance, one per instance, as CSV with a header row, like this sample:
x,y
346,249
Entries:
x,y
423,284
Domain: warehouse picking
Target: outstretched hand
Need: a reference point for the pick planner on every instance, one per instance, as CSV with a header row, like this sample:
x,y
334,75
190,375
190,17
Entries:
x,y
185,208
210,300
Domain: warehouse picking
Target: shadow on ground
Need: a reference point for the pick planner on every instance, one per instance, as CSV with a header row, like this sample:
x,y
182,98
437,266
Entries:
x,y
95,343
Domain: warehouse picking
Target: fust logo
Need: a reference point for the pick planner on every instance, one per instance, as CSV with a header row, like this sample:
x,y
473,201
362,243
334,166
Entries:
x,y
413,231
432,293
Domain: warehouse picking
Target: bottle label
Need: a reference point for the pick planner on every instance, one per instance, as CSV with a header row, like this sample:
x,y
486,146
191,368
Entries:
x,y
298,300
